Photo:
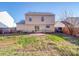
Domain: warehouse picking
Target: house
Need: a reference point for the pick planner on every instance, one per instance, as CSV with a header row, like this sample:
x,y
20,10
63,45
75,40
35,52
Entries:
x,y
59,25
37,22
7,23
62,27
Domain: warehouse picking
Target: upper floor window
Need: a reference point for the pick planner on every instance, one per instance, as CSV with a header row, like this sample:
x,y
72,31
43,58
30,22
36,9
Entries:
x,y
42,19
30,19
48,26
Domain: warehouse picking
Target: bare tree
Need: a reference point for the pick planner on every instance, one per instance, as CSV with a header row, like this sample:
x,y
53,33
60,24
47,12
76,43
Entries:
x,y
69,20
73,23
69,26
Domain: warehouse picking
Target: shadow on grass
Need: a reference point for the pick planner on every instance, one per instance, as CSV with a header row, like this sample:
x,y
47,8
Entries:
x,y
69,38
65,50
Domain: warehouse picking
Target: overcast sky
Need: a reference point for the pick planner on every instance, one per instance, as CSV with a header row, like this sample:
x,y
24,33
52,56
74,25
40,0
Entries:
x,y
18,9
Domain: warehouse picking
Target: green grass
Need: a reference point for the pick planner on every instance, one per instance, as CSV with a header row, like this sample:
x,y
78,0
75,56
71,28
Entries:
x,y
68,38
64,45
3,38
23,41
67,50
50,44
55,38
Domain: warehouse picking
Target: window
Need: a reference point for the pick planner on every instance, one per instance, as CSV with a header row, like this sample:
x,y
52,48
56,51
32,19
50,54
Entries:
x,y
30,19
42,19
47,26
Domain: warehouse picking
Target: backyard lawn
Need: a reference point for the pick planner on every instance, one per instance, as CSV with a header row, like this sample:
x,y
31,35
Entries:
x,y
39,45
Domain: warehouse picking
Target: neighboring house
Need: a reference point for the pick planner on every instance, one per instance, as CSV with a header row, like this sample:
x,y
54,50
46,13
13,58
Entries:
x,y
59,26
7,23
73,24
62,27
37,22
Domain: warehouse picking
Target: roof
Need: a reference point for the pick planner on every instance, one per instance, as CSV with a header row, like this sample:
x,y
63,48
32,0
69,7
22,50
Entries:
x,y
59,24
39,13
6,21
21,22
73,20
72,17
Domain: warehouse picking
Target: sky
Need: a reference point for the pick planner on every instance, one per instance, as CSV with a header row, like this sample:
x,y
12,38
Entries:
x,y
18,9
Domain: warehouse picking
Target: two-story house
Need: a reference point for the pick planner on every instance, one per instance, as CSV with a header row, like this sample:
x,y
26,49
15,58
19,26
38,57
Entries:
x,y
37,22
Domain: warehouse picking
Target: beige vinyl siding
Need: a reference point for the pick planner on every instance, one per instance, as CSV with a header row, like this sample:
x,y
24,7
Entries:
x,y
21,27
36,20
31,28
42,28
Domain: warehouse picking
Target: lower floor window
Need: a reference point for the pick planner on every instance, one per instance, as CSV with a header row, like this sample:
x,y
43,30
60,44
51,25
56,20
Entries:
x,y
48,26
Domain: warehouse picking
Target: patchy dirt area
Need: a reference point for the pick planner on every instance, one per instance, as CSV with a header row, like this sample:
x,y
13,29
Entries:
x,y
4,44
39,45
37,34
